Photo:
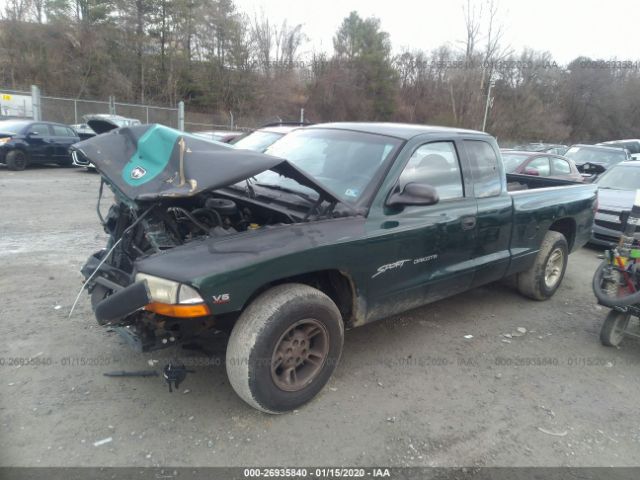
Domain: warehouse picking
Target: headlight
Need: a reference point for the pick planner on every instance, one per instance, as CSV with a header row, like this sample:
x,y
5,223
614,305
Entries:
x,y
5,140
166,291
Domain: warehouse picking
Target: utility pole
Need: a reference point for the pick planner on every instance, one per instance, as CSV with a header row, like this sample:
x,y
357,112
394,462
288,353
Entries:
x,y
488,104
36,104
181,115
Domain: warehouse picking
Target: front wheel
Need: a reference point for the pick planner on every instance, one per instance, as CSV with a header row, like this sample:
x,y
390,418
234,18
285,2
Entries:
x,y
544,277
284,347
613,328
16,160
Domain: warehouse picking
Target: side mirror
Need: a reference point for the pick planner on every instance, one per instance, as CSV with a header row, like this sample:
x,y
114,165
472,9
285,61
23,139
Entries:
x,y
531,171
414,194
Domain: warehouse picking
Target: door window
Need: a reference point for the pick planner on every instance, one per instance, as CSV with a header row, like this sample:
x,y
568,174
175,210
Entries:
x,y
435,164
41,129
561,166
60,131
484,167
541,165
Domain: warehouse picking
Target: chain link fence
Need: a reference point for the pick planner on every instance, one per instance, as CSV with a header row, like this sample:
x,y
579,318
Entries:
x,y
70,111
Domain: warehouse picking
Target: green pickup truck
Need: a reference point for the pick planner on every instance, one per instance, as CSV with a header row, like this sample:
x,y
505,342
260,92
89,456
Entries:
x,y
360,222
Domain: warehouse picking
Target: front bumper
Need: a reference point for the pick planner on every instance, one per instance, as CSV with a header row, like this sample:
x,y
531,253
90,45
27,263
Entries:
x,y
118,306
607,229
124,310
80,160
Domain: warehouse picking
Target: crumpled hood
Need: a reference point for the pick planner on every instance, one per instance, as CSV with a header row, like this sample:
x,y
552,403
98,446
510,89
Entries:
x,y
150,162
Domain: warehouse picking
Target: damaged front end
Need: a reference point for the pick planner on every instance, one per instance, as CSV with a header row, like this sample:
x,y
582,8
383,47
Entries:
x,y
172,189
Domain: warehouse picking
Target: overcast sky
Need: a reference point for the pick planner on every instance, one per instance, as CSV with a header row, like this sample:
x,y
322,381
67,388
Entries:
x,y
566,28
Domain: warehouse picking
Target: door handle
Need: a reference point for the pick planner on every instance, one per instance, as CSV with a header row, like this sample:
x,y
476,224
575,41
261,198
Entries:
x,y
468,223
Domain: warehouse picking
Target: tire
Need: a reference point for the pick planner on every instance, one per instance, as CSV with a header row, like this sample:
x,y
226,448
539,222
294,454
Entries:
x,y
612,331
275,320
544,277
16,160
605,298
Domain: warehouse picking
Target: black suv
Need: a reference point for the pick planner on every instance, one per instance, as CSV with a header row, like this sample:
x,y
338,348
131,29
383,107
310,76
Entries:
x,y
24,142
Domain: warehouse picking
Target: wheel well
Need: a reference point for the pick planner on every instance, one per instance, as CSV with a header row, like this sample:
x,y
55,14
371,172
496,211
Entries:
x,y
567,227
337,285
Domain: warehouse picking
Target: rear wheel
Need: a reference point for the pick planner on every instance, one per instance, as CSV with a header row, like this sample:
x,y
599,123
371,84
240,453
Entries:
x,y
284,347
16,160
613,328
544,277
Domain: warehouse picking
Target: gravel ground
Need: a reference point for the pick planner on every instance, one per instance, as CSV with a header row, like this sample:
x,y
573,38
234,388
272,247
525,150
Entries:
x,y
410,391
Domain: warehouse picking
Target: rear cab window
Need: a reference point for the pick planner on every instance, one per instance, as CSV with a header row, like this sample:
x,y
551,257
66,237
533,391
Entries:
x,y
485,168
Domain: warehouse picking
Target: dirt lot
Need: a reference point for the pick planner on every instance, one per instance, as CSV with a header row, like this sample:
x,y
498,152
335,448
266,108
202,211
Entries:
x,y
411,390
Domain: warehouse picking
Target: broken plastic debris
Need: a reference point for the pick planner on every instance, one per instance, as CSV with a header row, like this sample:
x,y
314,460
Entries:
x,y
521,330
468,337
57,307
103,441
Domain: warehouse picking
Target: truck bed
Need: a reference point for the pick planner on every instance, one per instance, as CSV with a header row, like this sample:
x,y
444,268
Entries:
x,y
517,182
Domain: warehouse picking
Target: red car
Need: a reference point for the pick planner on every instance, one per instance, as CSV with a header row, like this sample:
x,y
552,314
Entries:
x,y
540,164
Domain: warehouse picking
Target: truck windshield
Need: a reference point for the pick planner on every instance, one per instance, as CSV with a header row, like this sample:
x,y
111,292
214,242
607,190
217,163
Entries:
x,y
257,141
343,161
620,177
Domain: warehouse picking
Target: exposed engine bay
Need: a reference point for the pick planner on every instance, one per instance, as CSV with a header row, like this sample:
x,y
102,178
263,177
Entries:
x,y
172,223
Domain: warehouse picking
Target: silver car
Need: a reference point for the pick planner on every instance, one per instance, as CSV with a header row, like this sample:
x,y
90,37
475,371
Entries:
x,y
616,193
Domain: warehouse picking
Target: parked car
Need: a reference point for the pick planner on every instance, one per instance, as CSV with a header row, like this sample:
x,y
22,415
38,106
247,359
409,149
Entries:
x,y
83,130
372,220
632,145
616,193
261,139
223,136
592,160
553,148
25,142
540,165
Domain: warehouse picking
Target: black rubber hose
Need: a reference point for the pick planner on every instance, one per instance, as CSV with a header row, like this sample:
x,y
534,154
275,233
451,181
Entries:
x,y
605,299
190,217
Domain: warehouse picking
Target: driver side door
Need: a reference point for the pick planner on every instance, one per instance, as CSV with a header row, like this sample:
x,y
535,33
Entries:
x,y
423,252
38,139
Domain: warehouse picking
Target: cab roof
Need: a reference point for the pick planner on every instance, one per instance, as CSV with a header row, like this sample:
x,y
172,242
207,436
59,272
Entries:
x,y
403,131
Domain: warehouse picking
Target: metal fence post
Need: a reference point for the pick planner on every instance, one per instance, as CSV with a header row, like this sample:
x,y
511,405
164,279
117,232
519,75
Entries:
x,y
75,111
147,114
36,106
231,116
112,105
181,115
302,115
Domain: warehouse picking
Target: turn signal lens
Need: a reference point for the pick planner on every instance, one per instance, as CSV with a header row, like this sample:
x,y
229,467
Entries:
x,y
179,311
